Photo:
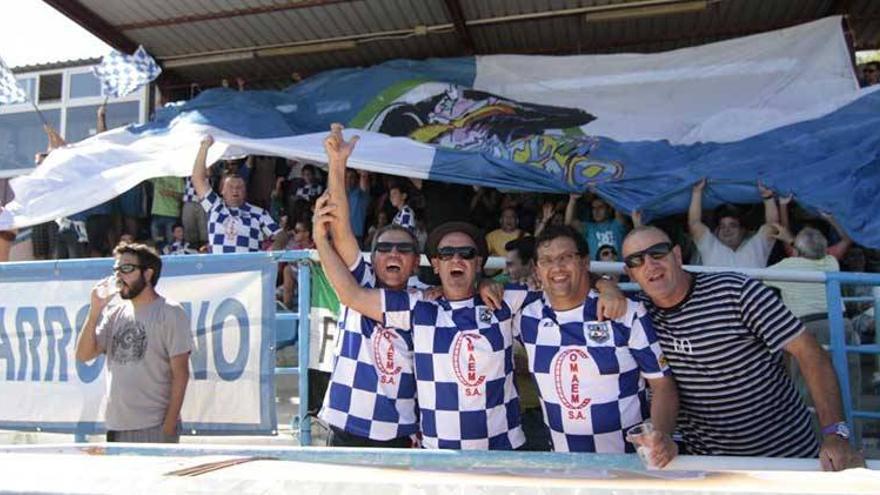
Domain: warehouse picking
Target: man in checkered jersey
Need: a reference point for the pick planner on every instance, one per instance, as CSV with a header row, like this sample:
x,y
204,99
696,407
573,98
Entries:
x,y
371,399
591,374
234,226
463,351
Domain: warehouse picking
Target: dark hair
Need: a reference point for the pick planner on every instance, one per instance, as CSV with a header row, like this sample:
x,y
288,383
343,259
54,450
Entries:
x,y
874,63
729,210
392,227
146,255
399,185
173,227
524,247
226,177
309,167
605,246
555,231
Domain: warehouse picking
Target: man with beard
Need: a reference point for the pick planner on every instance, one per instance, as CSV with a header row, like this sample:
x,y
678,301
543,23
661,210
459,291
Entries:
x,y
234,226
724,334
371,399
147,339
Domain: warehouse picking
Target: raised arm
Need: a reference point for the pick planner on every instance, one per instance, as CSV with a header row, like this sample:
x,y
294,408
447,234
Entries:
x,y
368,302
102,119
546,214
87,346
771,211
200,168
55,139
839,249
696,227
570,208
338,151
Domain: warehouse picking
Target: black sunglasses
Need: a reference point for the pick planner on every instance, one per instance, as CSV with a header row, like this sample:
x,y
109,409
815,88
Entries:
x,y
446,253
402,247
657,251
126,268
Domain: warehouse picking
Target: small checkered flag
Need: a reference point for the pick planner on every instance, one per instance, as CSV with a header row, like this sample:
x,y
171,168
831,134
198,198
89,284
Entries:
x,y
10,91
120,74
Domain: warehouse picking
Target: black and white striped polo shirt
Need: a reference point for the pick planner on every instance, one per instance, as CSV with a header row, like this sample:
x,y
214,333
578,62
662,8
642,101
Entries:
x,y
724,344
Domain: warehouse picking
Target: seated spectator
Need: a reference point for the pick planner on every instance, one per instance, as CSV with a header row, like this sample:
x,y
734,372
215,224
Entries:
x,y
178,244
807,301
300,237
871,73
508,231
727,245
606,225
838,250
519,267
382,219
405,216
309,187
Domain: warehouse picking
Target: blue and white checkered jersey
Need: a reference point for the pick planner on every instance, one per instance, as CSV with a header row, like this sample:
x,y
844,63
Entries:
x,y
372,391
189,191
236,230
590,374
405,217
308,191
464,370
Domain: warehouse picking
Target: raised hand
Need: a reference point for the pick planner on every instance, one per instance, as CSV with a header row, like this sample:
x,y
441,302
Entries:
x,y
207,141
337,148
700,186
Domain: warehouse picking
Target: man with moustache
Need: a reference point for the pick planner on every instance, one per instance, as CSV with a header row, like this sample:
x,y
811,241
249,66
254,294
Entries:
x,y
147,340
724,334
592,372
234,226
371,398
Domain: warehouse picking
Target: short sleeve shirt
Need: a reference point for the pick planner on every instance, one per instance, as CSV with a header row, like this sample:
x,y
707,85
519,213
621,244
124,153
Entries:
x,y
372,391
724,343
590,374
236,230
139,344
752,253
610,232
189,191
463,368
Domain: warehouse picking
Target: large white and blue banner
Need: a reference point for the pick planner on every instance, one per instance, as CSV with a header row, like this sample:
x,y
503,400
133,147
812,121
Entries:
x,y
230,300
782,107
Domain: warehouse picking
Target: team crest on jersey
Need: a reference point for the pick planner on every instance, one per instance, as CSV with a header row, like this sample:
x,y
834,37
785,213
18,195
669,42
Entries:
x,y
485,315
385,355
465,363
546,322
568,373
598,331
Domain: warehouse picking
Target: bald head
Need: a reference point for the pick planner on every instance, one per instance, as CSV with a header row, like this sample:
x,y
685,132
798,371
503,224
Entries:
x,y
655,267
646,235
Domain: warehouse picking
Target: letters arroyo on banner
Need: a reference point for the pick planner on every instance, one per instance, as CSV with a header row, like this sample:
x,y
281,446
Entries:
x,y
231,307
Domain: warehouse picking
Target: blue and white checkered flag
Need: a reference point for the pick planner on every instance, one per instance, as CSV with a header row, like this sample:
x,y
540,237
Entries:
x,y
120,74
10,91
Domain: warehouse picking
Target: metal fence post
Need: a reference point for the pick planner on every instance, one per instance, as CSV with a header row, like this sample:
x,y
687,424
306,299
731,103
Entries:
x,y
838,345
304,280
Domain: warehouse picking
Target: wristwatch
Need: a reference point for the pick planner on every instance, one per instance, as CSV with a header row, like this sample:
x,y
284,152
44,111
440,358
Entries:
x,y
840,429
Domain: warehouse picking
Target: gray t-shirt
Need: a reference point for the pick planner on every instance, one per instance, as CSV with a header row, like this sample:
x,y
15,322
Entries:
x,y
139,345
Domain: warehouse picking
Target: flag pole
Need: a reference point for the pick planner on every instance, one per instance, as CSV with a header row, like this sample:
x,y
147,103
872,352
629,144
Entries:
x,y
39,113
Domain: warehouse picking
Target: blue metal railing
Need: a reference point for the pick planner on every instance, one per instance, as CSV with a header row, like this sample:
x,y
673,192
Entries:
x,y
292,328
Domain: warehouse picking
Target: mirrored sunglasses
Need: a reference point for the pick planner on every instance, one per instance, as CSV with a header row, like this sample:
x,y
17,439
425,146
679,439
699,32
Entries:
x,y
657,251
